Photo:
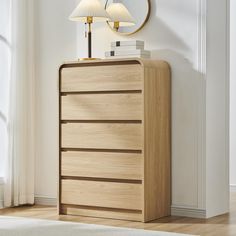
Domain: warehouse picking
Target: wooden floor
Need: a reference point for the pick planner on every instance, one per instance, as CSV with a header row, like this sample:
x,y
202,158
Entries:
x,y
222,225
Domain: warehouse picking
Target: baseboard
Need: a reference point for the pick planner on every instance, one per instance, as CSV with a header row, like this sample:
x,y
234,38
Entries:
x,y
175,211
233,188
188,212
45,201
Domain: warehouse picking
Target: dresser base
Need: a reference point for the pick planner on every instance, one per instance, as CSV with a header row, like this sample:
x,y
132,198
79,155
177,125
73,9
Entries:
x,y
133,215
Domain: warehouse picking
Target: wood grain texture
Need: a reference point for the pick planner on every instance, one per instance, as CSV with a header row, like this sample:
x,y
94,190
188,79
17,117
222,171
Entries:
x,y
102,165
102,194
157,142
102,135
101,97
101,78
102,107
102,212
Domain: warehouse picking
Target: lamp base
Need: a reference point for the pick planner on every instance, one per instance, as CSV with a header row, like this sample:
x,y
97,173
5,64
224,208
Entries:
x,y
88,59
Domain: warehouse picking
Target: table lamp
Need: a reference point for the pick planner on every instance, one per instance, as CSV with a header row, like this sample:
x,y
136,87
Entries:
x,y
119,15
89,11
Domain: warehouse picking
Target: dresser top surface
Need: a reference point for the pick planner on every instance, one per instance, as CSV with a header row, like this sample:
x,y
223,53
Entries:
x,y
123,61
82,61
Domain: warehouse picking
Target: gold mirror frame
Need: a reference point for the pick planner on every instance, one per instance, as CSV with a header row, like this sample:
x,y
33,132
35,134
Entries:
x,y
144,22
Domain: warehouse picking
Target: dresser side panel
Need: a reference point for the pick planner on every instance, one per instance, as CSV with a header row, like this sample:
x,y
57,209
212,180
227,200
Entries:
x,y
157,148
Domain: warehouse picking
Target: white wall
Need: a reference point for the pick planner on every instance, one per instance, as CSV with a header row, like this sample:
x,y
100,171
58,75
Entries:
x,y
175,32
233,95
55,42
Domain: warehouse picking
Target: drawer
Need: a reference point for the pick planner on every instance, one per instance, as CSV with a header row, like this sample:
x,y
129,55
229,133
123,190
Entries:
x,y
119,214
102,165
101,78
102,136
102,107
102,194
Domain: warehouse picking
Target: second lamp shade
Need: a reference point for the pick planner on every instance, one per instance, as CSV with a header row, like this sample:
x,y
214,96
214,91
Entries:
x,y
119,13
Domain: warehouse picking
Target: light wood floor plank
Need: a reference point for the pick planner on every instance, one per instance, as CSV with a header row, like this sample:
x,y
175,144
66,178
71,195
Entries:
x,y
224,225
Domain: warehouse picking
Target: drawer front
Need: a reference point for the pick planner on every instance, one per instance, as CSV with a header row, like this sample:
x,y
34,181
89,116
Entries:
x,y
102,136
101,78
102,165
102,194
102,212
102,107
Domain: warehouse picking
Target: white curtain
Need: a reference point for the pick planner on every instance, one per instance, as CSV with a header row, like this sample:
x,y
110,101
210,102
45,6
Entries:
x,y
19,174
5,58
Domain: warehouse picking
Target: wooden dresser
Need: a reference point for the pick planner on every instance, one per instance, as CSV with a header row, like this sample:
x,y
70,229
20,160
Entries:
x,y
114,159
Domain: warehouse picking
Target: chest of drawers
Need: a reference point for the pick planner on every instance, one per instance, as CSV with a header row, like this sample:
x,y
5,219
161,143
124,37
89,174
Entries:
x,y
114,157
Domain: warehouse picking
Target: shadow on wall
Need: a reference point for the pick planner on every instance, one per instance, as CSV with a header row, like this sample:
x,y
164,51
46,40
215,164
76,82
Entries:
x,y
4,40
187,95
157,33
161,35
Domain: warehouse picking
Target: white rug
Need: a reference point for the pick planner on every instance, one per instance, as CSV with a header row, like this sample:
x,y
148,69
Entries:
x,y
17,226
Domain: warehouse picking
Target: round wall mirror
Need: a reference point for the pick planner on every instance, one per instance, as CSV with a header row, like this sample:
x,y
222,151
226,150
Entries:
x,y
127,16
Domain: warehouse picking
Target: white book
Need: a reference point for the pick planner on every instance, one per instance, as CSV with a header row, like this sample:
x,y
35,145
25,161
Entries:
x,y
129,56
125,48
127,43
126,53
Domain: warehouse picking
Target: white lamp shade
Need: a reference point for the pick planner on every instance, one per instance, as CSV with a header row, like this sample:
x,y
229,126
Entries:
x,y
89,8
119,13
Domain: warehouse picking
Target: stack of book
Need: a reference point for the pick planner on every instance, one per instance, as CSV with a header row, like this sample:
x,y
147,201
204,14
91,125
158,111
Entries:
x,y
124,49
